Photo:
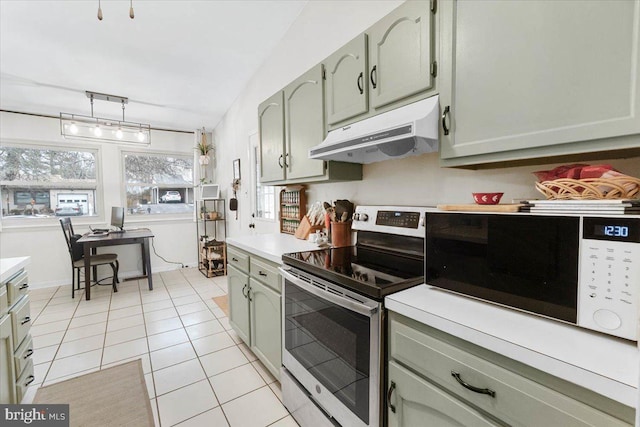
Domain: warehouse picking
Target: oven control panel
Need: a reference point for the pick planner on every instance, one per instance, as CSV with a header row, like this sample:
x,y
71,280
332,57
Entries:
x,y
400,220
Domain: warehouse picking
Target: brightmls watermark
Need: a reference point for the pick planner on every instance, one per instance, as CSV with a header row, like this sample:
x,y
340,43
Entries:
x,y
35,415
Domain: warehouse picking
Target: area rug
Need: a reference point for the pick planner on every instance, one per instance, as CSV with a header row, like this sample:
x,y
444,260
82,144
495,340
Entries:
x,y
223,303
115,396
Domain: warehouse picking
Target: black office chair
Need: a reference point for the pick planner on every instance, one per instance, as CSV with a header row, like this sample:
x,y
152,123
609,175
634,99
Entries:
x,y
76,253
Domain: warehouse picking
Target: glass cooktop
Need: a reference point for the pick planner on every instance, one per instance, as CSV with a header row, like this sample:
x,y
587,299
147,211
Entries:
x,y
371,272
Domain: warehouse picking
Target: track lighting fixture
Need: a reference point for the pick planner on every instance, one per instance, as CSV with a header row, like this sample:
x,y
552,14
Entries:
x,y
75,126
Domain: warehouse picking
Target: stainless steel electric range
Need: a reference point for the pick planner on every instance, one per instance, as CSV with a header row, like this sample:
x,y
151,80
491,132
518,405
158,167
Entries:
x,y
333,317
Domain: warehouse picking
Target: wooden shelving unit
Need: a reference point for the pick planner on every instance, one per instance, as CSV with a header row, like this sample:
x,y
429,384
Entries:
x,y
211,233
293,207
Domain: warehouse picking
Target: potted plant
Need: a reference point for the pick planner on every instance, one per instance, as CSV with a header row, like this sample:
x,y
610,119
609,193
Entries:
x,y
204,148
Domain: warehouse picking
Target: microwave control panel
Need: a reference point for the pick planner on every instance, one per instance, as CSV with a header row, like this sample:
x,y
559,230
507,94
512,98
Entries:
x,y
609,286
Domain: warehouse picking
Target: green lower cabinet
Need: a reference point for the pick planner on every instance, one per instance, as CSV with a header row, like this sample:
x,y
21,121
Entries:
x,y
505,390
266,330
7,370
414,401
238,283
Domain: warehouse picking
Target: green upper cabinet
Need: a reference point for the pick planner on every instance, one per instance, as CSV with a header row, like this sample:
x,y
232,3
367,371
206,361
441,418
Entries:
x,y
535,79
391,64
291,122
304,124
346,88
401,54
271,128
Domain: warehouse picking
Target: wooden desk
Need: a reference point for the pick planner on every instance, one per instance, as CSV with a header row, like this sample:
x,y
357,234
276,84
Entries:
x,y
140,236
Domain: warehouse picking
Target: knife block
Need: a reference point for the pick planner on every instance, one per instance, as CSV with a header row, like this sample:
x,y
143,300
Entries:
x,y
305,228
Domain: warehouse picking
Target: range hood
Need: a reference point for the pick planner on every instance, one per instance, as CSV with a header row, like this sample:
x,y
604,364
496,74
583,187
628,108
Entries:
x,y
403,132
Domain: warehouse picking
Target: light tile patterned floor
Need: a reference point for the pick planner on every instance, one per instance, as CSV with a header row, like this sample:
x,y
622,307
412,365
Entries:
x,y
198,371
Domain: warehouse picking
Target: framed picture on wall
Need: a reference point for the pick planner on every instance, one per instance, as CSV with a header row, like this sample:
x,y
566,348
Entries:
x,y
236,169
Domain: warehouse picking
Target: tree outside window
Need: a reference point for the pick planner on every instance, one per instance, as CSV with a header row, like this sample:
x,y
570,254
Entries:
x,y
158,183
43,182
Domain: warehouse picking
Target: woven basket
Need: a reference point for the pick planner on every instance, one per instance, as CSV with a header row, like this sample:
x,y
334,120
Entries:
x,y
621,187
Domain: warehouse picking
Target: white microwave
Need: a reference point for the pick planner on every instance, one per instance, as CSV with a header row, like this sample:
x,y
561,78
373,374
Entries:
x,y
579,269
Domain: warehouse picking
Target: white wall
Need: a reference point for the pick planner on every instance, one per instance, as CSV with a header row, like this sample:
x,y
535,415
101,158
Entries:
x,y
175,239
322,28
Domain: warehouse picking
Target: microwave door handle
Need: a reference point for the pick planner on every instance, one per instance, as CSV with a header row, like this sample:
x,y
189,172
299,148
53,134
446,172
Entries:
x,y
336,299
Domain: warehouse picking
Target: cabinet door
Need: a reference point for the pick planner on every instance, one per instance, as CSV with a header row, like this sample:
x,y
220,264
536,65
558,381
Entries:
x,y
271,129
539,76
419,403
304,123
7,368
347,91
238,283
401,51
266,329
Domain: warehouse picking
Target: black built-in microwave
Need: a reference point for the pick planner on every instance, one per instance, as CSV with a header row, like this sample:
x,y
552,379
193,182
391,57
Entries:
x,y
583,270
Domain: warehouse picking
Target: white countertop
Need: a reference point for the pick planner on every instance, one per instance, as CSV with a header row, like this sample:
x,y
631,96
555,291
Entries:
x,y
606,365
271,246
10,266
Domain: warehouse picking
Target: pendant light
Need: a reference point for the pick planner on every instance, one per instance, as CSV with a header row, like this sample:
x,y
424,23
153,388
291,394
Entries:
x,y
131,14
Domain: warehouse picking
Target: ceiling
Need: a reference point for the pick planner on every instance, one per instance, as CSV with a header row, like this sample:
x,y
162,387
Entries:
x,y
180,63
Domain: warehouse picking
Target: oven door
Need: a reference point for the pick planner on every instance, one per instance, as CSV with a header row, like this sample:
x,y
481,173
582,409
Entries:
x,y
332,346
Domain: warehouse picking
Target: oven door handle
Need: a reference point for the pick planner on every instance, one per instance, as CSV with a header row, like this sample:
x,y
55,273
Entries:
x,y
336,299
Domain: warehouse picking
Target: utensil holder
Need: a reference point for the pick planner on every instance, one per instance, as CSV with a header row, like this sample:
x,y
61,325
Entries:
x,y
341,234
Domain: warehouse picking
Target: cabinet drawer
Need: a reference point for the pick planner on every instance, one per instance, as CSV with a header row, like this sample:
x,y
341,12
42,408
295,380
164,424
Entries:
x,y
238,259
414,401
23,354
20,321
516,399
4,302
17,286
24,381
266,273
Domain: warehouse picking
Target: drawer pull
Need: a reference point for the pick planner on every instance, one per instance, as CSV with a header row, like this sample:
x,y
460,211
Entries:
x,y
25,320
234,259
488,391
243,288
389,393
445,128
29,353
30,379
25,286
262,273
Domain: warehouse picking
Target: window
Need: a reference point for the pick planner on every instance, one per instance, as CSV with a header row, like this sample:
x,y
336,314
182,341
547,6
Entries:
x,y
158,183
265,195
37,182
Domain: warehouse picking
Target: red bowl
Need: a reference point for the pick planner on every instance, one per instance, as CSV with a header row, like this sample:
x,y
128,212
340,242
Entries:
x,y
487,198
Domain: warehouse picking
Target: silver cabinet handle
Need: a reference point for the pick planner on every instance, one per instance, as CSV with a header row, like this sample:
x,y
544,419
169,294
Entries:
x,y
389,393
468,386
